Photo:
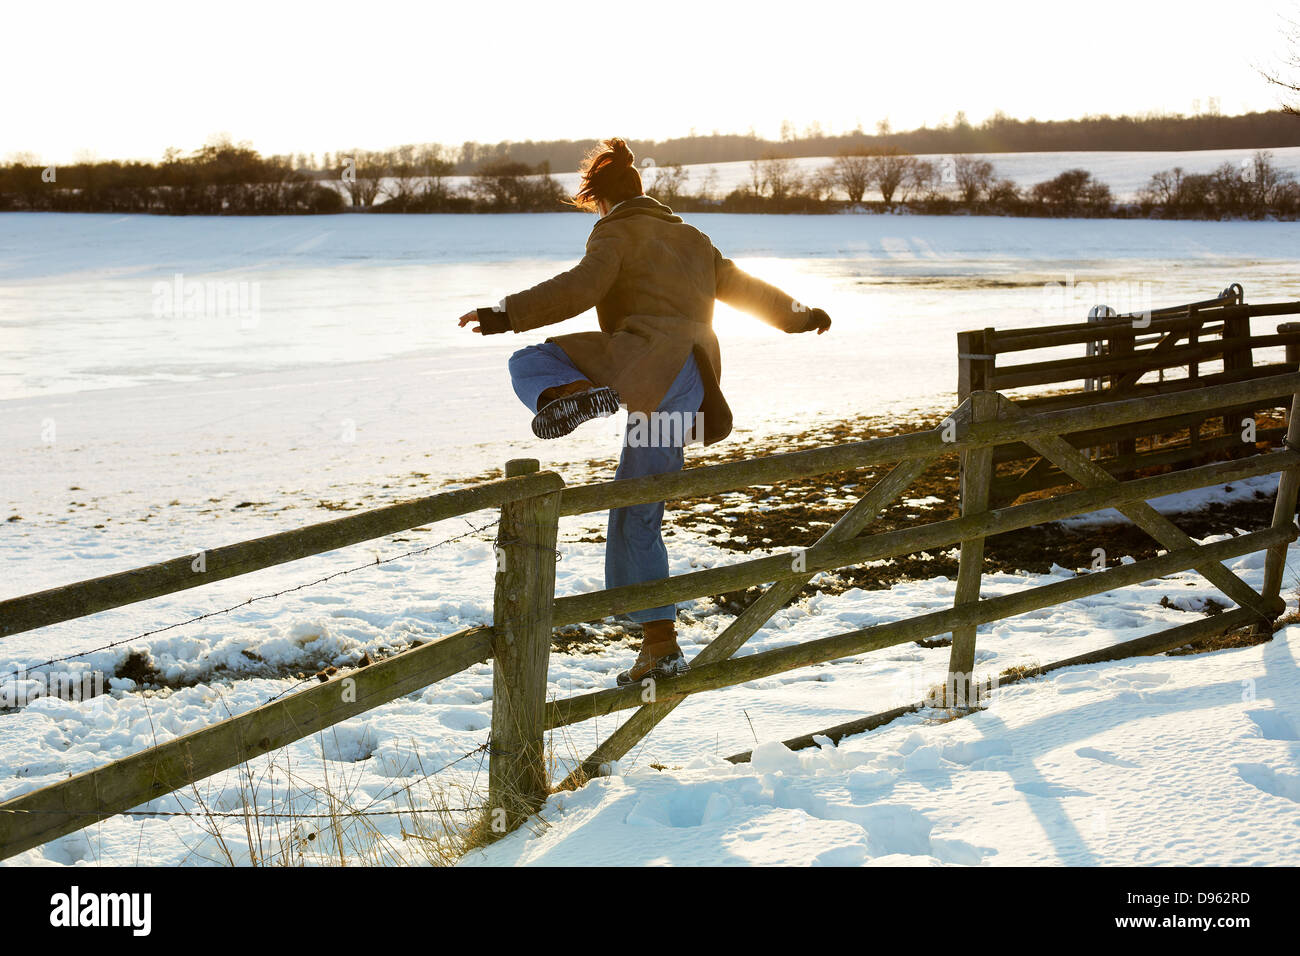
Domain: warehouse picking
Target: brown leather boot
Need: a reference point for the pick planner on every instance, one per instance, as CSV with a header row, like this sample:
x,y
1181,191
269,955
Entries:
x,y
660,656
559,391
562,408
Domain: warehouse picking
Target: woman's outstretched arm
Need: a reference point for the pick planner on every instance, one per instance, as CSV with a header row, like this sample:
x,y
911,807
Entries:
x,y
739,289
566,295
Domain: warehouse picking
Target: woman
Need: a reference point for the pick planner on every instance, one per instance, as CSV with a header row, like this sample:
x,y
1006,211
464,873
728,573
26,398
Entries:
x,y
653,280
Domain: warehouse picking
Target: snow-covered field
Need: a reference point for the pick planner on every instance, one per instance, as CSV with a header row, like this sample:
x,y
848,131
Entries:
x,y
1126,173
131,436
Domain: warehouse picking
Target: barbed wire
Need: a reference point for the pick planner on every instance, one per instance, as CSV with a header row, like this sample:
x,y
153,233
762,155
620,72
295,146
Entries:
x,y
261,597
484,747
254,814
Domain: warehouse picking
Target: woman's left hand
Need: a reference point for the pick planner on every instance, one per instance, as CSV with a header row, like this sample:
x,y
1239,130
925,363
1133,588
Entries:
x,y
818,320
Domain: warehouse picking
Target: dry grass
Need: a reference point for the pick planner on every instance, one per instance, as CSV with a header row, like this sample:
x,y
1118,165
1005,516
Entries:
x,y
1020,672
282,819
948,696
1241,637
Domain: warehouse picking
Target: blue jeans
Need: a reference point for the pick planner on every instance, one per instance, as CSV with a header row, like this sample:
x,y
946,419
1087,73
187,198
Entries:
x,y
634,543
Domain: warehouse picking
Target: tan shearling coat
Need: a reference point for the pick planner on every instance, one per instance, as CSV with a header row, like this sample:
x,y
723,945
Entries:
x,y
653,280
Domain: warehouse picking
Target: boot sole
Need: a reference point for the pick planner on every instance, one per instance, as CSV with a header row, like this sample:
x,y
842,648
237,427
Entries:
x,y
655,673
558,418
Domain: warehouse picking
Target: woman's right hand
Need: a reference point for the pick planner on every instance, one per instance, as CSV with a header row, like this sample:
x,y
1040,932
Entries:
x,y
467,318
486,321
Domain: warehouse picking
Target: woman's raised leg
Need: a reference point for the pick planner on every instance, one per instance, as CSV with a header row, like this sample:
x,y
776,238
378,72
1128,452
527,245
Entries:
x,y
634,548
536,368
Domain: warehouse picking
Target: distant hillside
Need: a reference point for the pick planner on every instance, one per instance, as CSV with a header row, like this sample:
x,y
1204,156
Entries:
x,y
999,134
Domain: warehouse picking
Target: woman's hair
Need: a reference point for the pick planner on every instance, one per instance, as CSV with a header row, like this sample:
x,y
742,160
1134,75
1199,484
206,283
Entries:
x,y
608,173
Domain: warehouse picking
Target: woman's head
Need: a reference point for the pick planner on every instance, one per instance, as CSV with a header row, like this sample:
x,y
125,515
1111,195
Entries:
x,y
608,175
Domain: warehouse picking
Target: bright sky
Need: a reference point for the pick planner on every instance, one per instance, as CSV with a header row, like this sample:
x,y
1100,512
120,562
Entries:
x,y
127,79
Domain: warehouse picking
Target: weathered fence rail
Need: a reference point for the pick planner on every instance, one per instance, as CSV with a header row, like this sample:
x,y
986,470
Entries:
x,y
526,610
195,570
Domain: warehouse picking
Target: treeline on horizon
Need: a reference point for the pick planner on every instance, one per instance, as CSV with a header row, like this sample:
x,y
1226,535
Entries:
x,y
997,134
223,178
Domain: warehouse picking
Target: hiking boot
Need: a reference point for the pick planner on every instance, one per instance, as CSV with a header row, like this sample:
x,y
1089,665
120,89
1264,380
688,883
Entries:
x,y
570,406
672,664
660,656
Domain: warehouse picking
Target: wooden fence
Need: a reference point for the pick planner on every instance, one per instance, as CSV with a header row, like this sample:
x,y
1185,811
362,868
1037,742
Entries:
x,y
525,609
1123,351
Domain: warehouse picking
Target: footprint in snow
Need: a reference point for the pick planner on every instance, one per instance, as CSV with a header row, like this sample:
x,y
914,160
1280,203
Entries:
x,y
464,719
1273,725
1285,785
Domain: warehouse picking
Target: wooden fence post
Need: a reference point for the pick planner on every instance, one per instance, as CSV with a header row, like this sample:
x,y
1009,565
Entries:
x,y
975,362
1122,343
976,480
1288,486
1292,349
1284,508
1237,359
518,779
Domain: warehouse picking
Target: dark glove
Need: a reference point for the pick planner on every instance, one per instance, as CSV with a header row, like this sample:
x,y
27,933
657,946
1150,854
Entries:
x,y
818,320
495,321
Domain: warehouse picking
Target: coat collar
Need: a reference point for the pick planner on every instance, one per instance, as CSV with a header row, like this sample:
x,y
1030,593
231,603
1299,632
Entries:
x,y
638,206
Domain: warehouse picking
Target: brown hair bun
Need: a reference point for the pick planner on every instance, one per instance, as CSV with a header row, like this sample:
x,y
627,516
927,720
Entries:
x,y
608,173
622,155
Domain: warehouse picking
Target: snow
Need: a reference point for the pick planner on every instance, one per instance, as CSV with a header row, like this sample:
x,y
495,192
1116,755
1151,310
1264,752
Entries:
x,y
1155,761
130,438
1126,172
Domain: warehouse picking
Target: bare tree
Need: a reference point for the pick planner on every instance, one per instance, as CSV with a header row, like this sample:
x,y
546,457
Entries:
x,y
708,190
1265,182
1287,79
821,184
1097,198
436,165
362,172
404,181
1004,193
890,169
1165,189
974,176
921,179
1074,190
780,178
851,172
669,184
